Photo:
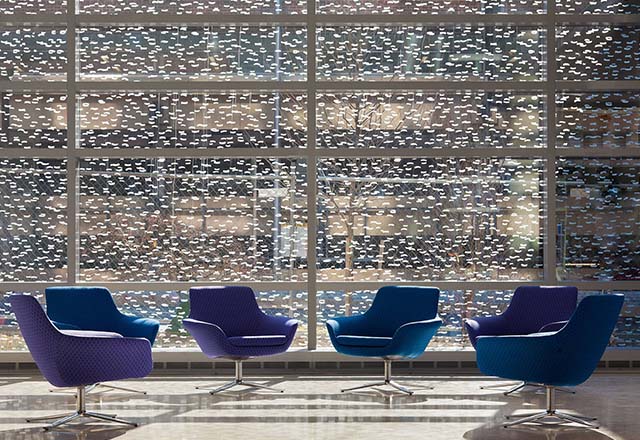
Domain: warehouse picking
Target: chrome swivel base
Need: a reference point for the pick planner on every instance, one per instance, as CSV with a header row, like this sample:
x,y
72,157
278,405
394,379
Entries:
x,y
520,386
81,411
90,388
387,381
552,413
238,381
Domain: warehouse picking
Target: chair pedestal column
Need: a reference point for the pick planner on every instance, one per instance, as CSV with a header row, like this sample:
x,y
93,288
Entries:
x,y
551,412
387,381
238,380
81,411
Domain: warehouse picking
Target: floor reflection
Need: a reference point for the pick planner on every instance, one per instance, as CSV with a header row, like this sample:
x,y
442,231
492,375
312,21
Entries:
x,y
314,407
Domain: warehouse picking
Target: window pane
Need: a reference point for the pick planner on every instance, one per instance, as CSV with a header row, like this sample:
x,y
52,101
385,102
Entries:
x,y
171,307
33,120
30,54
463,52
598,120
10,7
627,332
437,219
602,52
598,6
176,52
430,120
429,7
192,219
33,220
598,224
193,120
168,307
455,305
245,7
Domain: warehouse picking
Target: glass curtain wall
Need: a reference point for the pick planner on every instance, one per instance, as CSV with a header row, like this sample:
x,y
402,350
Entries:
x,y
317,150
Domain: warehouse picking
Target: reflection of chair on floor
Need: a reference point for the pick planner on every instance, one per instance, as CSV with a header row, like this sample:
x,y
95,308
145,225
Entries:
x,y
399,325
73,358
93,308
227,322
532,309
566,357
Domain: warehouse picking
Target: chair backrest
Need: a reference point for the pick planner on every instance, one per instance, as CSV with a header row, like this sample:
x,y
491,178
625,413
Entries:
x,y
532,307
89,308
232,308
586,336
394,306
38,333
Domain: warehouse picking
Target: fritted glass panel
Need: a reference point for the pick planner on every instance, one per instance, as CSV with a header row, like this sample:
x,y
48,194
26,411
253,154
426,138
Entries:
x,y
430,7
193,120
454,307
460,52
430,120
336,303
33,220
178,52
244,7
169,308
192,219
32,54
598,52
598,6
31,7
627,332
598,120
457,305
33,120
430,218
598,215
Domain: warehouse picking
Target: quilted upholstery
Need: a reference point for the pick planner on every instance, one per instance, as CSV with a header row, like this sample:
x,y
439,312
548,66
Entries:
x,y
405,314
563,358
364,341
71,361
257,341
93,308
530,310
218,314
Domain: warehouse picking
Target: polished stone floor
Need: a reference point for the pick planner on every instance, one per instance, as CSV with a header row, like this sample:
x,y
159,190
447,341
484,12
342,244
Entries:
x,y
313,408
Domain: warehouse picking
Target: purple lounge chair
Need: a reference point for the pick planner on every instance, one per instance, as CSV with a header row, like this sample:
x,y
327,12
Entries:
x,y
77,358
227,322
533,309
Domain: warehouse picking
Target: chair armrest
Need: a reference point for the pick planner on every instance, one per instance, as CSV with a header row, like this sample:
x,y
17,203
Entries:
x,y
277,325
211,339
137,327
333,327
86,360
552,326
348,325
65,326
411,339
521,357
292,326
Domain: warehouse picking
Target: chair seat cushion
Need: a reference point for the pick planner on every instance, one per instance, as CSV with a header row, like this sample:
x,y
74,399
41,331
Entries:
x,y
364,341
91,334
258,341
